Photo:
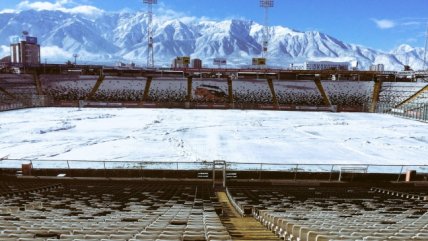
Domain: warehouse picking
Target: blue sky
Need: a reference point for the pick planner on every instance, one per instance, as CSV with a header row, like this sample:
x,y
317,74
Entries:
x,y
380,24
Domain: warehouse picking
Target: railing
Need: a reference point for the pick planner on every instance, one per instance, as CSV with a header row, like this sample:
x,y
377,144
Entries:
x,y
26,102
412,111
208,166
5,107
105,165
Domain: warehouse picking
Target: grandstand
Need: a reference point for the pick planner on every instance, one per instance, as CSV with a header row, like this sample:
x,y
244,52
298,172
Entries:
x,y
100,86
40,207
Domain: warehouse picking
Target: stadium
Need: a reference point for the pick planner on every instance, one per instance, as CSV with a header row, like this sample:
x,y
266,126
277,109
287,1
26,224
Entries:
x,y
92,153
319,151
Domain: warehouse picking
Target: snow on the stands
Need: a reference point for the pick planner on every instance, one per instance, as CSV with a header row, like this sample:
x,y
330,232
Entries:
x,y
197,135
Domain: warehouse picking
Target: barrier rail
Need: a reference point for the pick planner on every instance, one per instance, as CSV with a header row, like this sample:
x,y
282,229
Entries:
x,y
6,107
208,166
26,102
412,111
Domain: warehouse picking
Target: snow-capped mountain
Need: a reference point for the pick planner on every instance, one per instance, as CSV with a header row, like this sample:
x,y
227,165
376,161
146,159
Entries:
x,y
122,36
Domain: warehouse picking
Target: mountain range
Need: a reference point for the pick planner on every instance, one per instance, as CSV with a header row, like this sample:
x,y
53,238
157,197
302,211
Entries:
x,y
111,37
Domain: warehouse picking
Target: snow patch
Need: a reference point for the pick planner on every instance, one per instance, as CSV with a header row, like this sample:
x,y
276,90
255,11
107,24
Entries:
x,y
196,135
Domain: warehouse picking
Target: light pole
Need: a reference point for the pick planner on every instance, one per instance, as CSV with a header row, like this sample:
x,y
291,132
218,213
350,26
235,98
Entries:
x,y
150,42
426,46
75,58
266,4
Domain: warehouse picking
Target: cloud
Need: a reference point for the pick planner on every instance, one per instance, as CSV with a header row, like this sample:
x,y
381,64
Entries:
x,y
54,52
67,6
384,23
4,51
8,11
164,13
411,23
411,40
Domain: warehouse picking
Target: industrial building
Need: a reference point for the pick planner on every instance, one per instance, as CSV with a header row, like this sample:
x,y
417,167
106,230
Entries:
x,y
25,51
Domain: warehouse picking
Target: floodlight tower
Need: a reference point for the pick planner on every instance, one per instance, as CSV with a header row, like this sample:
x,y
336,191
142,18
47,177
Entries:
x,y
75,56
266,4
150,51
426,47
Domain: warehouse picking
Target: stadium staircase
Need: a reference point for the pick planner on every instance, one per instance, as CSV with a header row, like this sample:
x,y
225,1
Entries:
x,y
242,228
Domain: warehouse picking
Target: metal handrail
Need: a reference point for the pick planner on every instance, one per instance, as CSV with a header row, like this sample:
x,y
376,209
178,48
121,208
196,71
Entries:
x,y
208,164
211,162
418,111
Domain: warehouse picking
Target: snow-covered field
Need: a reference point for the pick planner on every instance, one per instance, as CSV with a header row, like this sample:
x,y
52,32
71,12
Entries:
x,y
197,135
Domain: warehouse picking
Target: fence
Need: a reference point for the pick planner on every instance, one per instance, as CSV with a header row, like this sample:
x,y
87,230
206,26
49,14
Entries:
x,y
5,107
411,111
208,165
25,102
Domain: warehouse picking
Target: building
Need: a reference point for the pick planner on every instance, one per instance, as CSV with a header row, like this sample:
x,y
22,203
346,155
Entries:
x,y
321,65
326,65
124,65
25,51
196,64
181,62
377,67
299,66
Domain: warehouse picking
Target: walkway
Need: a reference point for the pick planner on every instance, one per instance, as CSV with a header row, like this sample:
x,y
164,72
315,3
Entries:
x,y
242,228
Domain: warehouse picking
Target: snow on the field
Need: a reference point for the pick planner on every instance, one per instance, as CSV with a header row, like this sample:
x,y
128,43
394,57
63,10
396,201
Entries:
x,y
197,135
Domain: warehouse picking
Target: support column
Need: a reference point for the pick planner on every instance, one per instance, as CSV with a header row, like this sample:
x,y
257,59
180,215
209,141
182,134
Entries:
x,y
224,175
230,91
376,93
37,82
326,99
214,167
189,89
97,85
272,91
219,166
147,88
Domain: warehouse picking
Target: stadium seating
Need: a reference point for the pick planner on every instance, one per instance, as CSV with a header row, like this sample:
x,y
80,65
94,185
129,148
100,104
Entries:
x,y
51,209
394,93
78,210
334,213
16,89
